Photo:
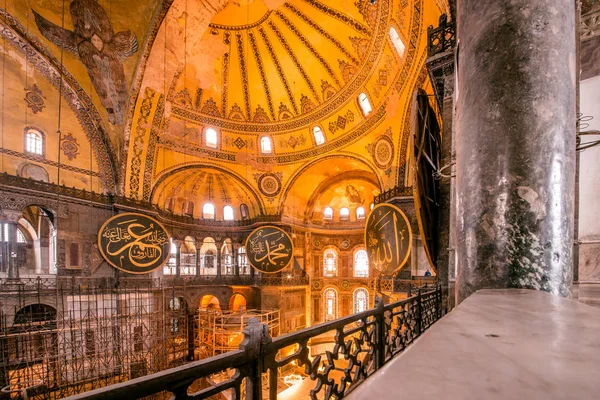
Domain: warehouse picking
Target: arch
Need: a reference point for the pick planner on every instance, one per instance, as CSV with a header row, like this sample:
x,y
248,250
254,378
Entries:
x,y
360,260
237,302
33,171
361,300
227,258
164,175
187,263
330,303
208,257
35,313
209,302
354,163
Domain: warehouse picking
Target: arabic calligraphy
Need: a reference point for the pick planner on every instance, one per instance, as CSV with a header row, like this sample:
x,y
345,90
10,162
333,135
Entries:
x,y
269,249
134,243
388,238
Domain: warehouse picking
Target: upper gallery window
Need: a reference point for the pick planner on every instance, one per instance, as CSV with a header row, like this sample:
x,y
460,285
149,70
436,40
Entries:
x,y
365,104
211,138
344,213
34,142
330,262
4,236
228,213
328,213
265,145
396,41
208,211
318,134
330,304
361,300
361,264
360,213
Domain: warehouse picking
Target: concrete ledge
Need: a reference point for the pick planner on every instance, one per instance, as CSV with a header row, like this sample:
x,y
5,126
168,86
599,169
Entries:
x,y
499,344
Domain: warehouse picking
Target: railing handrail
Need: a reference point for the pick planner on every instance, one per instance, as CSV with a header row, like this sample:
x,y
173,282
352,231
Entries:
x,y
257,353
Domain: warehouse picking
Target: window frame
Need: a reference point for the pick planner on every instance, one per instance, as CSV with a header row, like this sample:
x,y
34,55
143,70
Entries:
x,y
325,214
204,212
361,103
314,131
355,307
394,40
334,306
42,137
364,214
208,144
265,139
343,215
225,213
330,272
354,263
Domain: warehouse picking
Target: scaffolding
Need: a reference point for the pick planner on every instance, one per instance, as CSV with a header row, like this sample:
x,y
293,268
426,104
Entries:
x,y
218,332
66,340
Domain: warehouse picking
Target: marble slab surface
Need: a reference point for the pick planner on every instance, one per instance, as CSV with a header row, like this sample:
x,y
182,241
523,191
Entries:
x,y
499,344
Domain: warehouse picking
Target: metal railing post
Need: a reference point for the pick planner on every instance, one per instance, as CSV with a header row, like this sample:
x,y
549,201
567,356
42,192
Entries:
x,y
419,316
380,332
255,336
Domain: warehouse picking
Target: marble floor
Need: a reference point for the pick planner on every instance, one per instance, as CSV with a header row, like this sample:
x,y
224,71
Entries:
x,y
499,344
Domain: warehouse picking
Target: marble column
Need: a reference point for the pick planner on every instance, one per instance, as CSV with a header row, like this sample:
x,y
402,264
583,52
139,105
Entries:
x,y
198,260
515,145
178,258
219,258
236,265
13,268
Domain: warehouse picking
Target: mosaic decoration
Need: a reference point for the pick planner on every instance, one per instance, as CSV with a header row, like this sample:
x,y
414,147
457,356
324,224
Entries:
x,y
269,249
134,243
382,151
69,146
76,96
239,143
292,141
263,75
34,98
388,238
269,184
183,99
138,142
90,45
345,244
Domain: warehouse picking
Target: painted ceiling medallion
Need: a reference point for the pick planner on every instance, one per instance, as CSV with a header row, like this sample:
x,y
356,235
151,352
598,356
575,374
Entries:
x,y
34,98
382,150
69,146
269,184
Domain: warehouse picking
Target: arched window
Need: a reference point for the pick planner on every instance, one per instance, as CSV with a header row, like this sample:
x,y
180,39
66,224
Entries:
x,y
211,138
4,235
227,258
330,302
344,214
228,213
243,261
208,211
361,264
396,41
244,211
265,145
319,136
188,208
34,142
371,206
361,300
330,262
360,213
365,104
328,213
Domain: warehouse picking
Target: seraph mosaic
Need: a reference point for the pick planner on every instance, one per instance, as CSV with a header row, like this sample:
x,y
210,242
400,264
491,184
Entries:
x,y
99,48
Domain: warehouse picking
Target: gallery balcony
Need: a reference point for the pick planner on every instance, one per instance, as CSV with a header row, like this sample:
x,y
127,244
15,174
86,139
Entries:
x,y
497,344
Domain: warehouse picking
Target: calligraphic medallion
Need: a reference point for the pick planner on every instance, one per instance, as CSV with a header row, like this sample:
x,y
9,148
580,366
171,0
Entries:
x,y
388,238
134,243
269,249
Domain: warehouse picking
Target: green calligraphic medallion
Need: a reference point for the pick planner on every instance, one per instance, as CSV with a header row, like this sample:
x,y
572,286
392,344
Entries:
x,y
134,243
388,238
269,249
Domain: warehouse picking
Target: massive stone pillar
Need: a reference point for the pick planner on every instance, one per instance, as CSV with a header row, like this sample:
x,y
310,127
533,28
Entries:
x,y
515,138
13,267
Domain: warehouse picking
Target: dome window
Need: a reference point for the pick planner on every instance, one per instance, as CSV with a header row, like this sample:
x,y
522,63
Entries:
x,y
360,213
211,137
228,213
344,214
319,136
265,145
328,213
365,104
208,211
397,41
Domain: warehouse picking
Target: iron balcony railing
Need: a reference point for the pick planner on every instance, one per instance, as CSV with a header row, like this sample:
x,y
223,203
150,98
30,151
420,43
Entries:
x,y
442,38
364,342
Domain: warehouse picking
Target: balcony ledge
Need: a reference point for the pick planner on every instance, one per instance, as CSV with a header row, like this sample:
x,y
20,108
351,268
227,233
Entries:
x,y
498,344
